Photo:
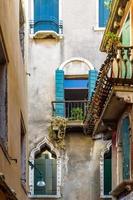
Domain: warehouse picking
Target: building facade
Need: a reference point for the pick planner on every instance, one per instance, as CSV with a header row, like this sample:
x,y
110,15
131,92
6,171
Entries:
x,y
13,103
110,111
64,38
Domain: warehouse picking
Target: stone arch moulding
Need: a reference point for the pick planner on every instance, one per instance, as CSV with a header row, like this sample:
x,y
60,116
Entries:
x,y
73,59
33,152
105,150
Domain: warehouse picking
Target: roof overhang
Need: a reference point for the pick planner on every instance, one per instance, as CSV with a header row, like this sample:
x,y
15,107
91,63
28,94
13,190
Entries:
x,y
120,97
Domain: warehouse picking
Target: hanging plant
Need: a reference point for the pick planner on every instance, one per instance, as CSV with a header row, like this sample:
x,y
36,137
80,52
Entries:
x,y
113,41
57,131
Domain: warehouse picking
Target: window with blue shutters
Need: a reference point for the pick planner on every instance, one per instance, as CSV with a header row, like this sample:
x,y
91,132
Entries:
x,y
59,89
46,15
92,77
103,12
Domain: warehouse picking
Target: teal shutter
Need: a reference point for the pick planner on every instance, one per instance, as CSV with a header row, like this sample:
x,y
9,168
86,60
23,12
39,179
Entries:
x,y
126,148
107,176
108,172
103,14
92,77
59,78
46,15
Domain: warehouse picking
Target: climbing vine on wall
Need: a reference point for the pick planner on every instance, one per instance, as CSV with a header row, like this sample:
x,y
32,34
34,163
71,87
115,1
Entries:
x,y
57,131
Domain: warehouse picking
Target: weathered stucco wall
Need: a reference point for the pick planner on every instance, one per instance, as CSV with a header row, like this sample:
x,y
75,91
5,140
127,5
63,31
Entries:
x,y
81,173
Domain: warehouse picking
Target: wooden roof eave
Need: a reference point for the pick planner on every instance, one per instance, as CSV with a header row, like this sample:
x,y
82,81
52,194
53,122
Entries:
x,y
115,17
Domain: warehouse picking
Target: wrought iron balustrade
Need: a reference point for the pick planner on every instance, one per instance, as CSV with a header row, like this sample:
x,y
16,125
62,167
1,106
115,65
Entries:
x,y
72,110
45,25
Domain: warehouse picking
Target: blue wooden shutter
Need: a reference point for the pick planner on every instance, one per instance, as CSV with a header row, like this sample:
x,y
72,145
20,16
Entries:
x,y
59,78
91,82
46,15
103,14
126,148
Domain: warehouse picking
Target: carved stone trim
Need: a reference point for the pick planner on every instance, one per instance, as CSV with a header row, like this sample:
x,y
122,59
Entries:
x,y
37,149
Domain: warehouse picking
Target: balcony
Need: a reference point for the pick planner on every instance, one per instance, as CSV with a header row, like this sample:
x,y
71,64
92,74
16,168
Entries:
x,y
74,111
46,29
114,88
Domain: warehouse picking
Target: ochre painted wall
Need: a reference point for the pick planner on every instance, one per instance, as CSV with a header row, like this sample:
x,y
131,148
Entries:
x,y
16,100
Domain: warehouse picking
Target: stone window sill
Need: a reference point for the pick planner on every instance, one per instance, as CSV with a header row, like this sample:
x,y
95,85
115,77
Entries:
x,y
44,196
97,28
46,35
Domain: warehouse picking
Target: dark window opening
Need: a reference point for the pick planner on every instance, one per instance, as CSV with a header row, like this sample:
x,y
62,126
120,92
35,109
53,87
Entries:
x,y
76,95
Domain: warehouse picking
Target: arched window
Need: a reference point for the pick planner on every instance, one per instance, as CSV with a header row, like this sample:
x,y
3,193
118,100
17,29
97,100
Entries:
x,y
44,171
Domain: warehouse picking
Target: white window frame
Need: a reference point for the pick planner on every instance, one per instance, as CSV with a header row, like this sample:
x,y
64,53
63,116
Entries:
x,y
106,149
31,18
31,170
96,27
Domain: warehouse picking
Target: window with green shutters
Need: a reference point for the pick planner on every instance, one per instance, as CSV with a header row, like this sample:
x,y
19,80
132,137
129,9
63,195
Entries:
x,y
46,170
107,173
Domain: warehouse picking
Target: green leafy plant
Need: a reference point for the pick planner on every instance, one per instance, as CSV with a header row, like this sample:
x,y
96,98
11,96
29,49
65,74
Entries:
x,y
77,113
57,131
113,41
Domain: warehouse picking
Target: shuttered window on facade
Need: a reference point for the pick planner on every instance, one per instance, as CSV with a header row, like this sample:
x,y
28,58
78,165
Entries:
x,y
103,13
46,15
46,170
107,173
125,136
92,77
59,90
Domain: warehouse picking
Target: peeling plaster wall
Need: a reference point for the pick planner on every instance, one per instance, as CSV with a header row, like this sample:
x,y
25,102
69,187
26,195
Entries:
x,y
80,167
81,174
